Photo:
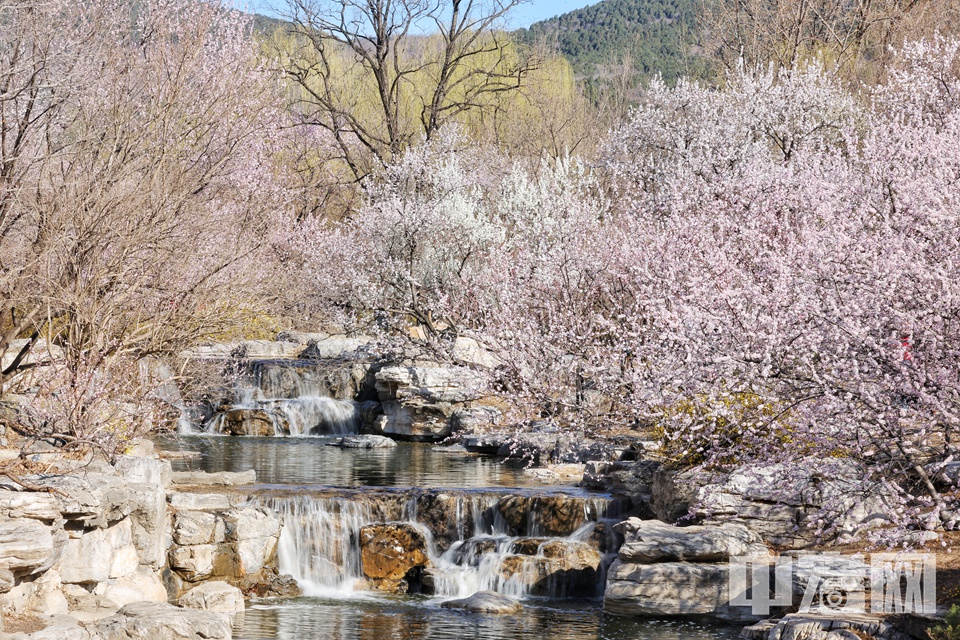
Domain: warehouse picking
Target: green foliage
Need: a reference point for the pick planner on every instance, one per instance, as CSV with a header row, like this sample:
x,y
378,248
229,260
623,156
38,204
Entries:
x,y
950,630
656,36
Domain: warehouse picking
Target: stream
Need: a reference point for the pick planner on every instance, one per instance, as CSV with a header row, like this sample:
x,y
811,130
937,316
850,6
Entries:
x,y
483,523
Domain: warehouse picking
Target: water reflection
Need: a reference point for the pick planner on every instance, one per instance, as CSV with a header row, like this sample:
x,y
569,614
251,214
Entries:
x,y
289,461
412,619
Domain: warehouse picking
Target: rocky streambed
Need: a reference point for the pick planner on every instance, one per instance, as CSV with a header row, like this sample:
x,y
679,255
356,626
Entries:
x,y
320,490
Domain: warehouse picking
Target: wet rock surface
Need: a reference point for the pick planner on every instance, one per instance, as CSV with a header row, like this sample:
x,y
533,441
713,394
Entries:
x,y
485,602
366,442
248,422
390,551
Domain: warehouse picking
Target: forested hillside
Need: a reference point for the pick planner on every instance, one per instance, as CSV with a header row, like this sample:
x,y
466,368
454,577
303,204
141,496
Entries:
x,y
654,35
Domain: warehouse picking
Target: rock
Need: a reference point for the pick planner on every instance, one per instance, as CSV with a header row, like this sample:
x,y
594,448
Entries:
x,y
419,401
59,627
557,568
148,521
220,478
674,493
214,596
100,554
144,470
390,551
43,596
26,545
153,620
471,419
369,412
366,442
650,541
86,606
136,587
416,423
828,626
262,349
7,580
488,443
782,503
140,448
25,504
485,602
547,515
201,561
250,422
557,473
333,347
270,583
255,532
198,501
672,589
198,527
429,384
471,353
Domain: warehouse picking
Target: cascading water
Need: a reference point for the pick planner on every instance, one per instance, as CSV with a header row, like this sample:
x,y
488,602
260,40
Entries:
x,y
276,398
468,543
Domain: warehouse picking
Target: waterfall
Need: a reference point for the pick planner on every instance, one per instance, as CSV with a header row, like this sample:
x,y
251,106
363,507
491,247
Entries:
x,y
284,398
465,542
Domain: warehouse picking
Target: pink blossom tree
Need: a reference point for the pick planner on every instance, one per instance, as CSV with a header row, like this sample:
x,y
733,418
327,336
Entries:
x,y
139,194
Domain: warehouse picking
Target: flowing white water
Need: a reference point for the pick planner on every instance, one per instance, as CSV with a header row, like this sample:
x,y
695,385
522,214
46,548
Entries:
x,y
295,402
320,548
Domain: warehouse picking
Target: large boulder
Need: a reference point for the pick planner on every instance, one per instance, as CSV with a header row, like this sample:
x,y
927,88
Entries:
x,y
331,346
255,532
418,402
144,586
366,442
197,527
651,541
672,589
388,552
470,352
43,596
238,544
198,501
783,503
826,626
153,620
214,596
664,570
98,555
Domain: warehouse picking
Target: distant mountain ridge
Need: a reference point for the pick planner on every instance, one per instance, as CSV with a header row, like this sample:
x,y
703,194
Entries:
x,y
658,36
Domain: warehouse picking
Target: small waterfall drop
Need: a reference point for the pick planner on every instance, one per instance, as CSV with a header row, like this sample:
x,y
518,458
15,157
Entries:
x,y
283,398
444,545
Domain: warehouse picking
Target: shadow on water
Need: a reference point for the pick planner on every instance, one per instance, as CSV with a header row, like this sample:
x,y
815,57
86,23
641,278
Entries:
x,y
421,619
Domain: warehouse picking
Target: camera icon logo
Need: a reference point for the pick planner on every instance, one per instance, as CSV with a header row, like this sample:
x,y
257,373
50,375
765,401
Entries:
x,y
832,583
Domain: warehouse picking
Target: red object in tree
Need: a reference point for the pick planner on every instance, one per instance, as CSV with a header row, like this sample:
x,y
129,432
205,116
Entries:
x,y
905,342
